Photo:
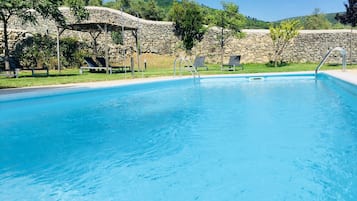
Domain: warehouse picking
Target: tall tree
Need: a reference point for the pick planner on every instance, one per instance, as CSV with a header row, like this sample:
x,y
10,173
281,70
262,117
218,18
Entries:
x,y
46,8
124,5
229,18
281,35
151,11
349,17
188,21
76,6
316,21
93,2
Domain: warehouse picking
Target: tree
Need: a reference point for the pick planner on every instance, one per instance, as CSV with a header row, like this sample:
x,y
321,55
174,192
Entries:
x,y
281,35
316,21
349,17
36,50
117,37
76,6
188,22
151,11
229,18
93,2
124,5
46,8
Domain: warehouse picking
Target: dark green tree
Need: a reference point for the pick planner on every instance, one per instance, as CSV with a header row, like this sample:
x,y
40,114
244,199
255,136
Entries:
x,y
93,2
72,52
136,8
124,5
151,11
40,50
76,6
349,17
232,19
117,37
36,50
188,22
46,8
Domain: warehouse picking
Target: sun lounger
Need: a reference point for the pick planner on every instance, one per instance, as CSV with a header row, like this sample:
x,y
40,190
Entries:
x,y
16,67
234,61
102,62
93,66
199,62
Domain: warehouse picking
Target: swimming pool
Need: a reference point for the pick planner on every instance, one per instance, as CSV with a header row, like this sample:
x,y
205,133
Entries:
x,y
226,138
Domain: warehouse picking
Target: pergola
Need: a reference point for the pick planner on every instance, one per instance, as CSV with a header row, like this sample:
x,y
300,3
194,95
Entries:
x,y
95,29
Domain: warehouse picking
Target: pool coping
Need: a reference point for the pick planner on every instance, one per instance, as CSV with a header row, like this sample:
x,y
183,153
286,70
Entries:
x,y
349,76
99,84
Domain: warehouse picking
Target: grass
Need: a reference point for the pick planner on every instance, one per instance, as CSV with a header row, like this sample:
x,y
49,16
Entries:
x,y
157,66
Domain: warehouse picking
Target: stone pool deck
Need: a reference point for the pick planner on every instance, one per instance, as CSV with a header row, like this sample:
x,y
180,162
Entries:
x,y
348,76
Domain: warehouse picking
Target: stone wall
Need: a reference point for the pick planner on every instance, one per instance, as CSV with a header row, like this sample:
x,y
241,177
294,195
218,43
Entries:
x,y
311,46
14,36
256,46
159,38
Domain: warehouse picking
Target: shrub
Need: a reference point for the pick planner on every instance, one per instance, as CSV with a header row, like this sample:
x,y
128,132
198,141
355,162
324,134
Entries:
x,y
41,50
36,50
72,52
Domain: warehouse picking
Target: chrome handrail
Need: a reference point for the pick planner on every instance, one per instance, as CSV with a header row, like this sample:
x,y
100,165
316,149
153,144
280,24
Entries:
x,y
343,54
187,65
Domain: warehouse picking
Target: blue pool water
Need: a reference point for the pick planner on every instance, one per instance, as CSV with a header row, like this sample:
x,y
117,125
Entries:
x,y
225,139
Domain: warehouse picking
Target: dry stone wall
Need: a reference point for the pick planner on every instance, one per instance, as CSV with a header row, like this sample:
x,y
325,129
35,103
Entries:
x,y
311,46
14,36
256,46
158,37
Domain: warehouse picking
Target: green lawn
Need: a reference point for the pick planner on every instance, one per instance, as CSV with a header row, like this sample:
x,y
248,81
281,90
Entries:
x,y
73,76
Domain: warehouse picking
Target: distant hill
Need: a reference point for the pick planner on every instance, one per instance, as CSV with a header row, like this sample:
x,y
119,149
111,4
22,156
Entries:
x,y
252,23
329,16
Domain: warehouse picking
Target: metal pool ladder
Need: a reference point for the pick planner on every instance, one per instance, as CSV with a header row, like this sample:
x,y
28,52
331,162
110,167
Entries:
x,y
184,63
343,54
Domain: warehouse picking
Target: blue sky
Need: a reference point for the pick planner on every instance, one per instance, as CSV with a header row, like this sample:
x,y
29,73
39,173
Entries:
x,y
272,10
